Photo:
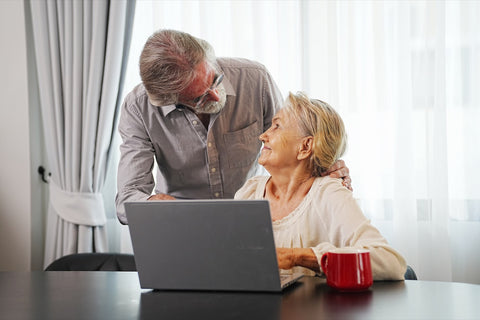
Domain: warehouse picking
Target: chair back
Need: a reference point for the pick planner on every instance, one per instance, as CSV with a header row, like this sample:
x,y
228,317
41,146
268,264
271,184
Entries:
x,y
94,262
410,274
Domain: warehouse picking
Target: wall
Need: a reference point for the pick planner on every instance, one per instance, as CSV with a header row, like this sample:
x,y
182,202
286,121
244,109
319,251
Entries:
x,y
15,171
22,193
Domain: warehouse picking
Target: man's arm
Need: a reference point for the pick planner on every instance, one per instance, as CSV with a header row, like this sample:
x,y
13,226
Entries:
x,y
134,179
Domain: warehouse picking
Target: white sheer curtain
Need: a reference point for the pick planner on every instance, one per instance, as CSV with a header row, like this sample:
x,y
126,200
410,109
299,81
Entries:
x,y
81,49
404,75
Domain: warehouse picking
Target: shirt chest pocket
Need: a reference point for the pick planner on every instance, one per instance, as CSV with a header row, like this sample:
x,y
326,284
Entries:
x,y
242,146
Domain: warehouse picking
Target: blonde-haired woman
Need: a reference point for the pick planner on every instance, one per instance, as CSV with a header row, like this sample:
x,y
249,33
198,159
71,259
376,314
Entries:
x,y
312,213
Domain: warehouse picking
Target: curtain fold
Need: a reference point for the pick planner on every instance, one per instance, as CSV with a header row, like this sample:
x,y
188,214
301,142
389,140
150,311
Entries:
x,y
81,50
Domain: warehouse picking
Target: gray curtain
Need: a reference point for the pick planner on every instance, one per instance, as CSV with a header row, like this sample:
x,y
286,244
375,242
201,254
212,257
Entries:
x,y
81,50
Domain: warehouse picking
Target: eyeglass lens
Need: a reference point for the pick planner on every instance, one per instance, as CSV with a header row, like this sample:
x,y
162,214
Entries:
x,y
215,84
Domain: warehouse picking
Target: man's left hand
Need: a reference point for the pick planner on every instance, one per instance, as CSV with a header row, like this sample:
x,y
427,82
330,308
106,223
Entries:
x,y
339,170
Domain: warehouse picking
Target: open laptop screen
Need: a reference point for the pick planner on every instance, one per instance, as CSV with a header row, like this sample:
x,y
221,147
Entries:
x,y
204,245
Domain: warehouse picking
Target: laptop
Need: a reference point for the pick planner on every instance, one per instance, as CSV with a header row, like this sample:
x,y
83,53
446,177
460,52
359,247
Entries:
x,y
224,245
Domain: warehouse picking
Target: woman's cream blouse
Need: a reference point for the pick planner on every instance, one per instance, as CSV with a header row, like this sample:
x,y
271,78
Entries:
x,y
327,218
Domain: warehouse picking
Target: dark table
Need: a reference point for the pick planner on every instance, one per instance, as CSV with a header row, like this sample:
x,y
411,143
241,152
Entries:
x,y
117,295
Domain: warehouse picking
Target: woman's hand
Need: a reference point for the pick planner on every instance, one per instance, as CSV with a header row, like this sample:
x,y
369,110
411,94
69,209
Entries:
x,y
286,258
291,257
340,170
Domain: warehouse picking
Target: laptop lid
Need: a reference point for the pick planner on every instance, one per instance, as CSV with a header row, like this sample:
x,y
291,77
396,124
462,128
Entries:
x,y
204,245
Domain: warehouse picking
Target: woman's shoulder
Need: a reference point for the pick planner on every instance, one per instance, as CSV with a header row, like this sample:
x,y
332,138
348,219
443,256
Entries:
x,y
329,195
327,191
253,188
329,184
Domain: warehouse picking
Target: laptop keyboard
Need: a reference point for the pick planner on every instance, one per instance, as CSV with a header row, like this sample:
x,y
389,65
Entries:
x,y
288,279
285,277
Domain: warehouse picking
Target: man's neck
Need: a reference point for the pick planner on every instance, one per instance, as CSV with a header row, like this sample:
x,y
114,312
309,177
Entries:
x,y
205,118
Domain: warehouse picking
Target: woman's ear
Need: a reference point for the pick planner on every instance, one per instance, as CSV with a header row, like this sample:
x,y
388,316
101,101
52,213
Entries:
x,y
306,148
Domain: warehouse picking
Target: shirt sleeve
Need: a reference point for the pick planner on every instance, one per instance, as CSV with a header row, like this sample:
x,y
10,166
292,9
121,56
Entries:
x,y
348,227
134,179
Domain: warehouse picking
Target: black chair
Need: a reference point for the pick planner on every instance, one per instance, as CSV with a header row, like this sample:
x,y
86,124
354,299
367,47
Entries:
x,y
410,274
94,262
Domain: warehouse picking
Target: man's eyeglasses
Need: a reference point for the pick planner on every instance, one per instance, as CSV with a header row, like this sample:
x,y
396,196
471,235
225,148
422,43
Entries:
x,y
216,82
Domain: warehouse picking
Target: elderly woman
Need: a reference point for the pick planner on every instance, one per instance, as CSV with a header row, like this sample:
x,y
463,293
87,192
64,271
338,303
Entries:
x,y
313,213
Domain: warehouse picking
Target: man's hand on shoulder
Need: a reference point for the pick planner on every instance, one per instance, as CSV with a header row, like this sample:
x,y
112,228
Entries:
x,y
161,196
340,170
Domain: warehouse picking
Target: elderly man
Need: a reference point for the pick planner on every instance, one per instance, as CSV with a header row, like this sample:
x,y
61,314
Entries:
x,y
198,117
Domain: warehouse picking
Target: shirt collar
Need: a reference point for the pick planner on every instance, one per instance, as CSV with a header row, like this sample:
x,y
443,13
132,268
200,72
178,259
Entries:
x,y
228,87
167,109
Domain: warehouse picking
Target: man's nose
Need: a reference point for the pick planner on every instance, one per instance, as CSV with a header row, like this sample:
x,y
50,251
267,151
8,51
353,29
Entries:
x,y
213,94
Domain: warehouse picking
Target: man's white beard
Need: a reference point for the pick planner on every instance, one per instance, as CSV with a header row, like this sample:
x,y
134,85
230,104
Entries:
x,y
212,107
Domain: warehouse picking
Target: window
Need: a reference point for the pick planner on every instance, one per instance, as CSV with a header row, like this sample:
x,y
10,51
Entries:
x,y
403,75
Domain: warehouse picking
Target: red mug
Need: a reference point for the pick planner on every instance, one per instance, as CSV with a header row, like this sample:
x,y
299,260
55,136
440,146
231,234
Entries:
x,y
347,269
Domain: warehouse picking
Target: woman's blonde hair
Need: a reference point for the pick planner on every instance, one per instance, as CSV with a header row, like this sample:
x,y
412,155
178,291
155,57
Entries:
x,y
318,119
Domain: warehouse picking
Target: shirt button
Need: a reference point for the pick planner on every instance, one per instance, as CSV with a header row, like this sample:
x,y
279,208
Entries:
x,y
194,122
209,144
217,194
213,169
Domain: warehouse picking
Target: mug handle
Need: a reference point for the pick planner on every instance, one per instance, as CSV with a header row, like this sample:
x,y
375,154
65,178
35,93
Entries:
x,y
323,263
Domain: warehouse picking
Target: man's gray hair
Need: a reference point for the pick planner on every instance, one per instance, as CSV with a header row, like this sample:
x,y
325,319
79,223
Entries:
x,y
168,61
